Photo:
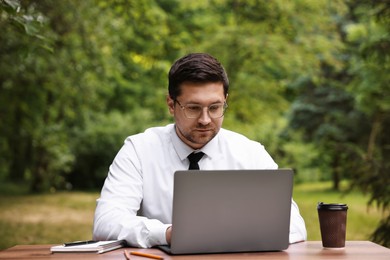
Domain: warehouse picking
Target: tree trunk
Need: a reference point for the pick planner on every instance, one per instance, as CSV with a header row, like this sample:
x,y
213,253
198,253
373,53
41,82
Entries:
x,y
336,172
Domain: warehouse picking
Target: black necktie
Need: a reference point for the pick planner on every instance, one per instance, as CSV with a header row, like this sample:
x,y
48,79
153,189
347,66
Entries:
x,y
194,159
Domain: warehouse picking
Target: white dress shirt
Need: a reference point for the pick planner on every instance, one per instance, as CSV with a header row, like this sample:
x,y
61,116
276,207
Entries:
x,y
140,179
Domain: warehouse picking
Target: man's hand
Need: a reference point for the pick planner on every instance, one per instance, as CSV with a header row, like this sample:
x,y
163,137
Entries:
x,y
168,234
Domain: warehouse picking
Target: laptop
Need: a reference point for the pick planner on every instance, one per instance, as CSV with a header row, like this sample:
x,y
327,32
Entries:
x,y
223,211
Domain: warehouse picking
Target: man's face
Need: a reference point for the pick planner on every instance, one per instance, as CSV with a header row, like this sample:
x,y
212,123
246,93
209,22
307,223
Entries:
x,y
197,132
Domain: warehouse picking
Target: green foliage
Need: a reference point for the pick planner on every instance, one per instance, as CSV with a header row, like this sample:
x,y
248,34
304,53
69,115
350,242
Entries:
x,y
21,101
96,145
327,118
370,64
345,111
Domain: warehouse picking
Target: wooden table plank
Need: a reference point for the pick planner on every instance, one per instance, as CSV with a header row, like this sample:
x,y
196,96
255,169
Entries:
x,y
312,250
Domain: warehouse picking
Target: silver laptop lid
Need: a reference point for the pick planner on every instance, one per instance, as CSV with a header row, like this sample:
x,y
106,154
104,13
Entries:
x,y
231,211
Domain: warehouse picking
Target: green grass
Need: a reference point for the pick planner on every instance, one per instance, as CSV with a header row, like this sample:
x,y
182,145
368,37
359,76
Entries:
x,y
361,219
46,219
66,216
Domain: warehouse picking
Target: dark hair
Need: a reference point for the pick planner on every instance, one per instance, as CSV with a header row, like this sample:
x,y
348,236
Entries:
x,y
196,68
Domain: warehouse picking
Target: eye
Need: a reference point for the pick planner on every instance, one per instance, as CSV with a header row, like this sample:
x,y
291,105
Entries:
x,y
194,108
214,108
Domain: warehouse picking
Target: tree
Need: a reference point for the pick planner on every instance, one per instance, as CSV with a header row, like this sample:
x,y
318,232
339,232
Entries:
x,y
24,34
351,132
327,117
45,94
368,36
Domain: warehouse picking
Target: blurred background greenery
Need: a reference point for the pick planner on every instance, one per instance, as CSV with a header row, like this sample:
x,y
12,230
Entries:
x,y
309,79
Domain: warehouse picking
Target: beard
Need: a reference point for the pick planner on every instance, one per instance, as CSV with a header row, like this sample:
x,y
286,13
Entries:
x,y
199,136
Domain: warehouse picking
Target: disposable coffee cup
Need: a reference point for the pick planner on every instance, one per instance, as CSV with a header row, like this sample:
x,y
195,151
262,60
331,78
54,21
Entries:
x,y
333,223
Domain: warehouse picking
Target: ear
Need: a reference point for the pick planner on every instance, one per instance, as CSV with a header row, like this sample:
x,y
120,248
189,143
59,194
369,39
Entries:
x,y
171,104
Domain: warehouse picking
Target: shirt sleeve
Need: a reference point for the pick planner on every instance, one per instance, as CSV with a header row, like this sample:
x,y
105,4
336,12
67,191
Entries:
x,y
120,200
297,225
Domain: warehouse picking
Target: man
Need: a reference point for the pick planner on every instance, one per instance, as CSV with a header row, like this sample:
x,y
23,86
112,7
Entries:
x,y
140,179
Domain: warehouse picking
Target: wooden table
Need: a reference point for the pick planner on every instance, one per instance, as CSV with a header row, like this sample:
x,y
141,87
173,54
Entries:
x,y
312,250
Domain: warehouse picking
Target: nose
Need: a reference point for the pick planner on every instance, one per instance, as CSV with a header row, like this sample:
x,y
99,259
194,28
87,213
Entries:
x,y
204,118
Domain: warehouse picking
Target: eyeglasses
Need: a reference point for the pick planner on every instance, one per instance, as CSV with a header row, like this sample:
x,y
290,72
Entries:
x,y
194,110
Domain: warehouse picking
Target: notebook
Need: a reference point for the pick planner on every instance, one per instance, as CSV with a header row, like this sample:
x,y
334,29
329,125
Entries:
x,y
224,211
96,247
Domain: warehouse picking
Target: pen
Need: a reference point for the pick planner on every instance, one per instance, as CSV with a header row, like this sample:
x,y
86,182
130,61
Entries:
x,y
78,243
146,255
